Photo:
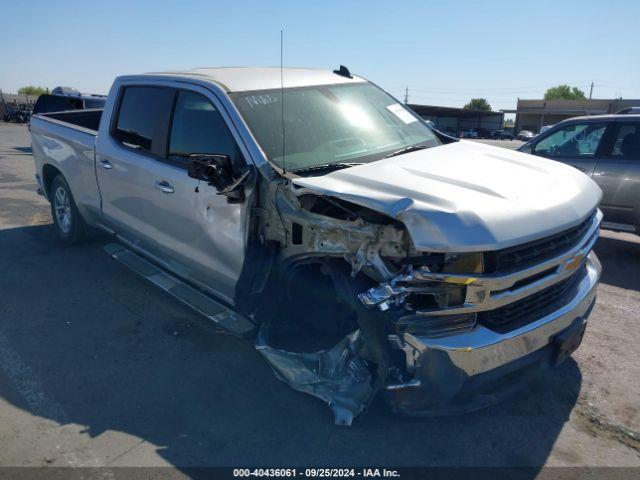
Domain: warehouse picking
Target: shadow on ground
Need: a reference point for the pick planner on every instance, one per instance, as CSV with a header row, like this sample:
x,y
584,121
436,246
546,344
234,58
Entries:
x,y
620,261
117,354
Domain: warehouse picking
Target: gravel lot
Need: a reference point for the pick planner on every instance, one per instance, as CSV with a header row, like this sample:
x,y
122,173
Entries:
x,y
100,368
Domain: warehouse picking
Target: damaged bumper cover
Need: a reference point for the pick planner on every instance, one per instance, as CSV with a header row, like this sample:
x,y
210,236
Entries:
x,y
476,368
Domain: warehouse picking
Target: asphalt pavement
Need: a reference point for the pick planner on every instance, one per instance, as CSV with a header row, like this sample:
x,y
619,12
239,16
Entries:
x,y
100,368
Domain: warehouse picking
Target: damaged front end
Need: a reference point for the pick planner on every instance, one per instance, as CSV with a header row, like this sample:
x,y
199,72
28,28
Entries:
x,y
344,284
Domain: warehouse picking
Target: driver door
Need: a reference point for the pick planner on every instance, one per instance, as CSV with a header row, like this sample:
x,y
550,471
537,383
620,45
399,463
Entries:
x,y
578,144
199,231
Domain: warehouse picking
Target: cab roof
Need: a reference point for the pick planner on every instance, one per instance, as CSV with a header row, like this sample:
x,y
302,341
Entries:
x,y
243,79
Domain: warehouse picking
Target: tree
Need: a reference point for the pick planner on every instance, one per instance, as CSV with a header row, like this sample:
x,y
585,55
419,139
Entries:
x,y
564,92
478,104
32,91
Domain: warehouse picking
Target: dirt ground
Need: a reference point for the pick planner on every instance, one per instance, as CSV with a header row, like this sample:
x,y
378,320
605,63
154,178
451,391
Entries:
x,y
99,368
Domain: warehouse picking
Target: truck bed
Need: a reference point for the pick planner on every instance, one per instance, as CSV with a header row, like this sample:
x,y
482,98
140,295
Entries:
x,y
87,119
65,142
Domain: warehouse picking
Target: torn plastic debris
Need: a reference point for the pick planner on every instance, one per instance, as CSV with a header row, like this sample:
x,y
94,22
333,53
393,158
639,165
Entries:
x,y
338,375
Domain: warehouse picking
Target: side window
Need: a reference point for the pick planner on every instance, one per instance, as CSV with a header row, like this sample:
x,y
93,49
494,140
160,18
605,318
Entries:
x,y
576,140
143,118
198,127
626,144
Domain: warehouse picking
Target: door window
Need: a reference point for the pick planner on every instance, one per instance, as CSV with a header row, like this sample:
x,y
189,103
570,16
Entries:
x,y
198,127
626,145
576,140
143,118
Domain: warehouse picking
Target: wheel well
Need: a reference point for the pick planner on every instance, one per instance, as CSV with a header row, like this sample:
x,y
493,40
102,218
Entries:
x,y
309,304
49,172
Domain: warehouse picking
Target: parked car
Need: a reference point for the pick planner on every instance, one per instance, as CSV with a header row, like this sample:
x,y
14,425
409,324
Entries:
x,y
629,111
607,149
66,91
368,253
502,135
452,132
526,135
545,128
470,133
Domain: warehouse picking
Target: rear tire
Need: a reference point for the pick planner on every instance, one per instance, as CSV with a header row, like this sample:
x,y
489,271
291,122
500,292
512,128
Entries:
x,y
67,221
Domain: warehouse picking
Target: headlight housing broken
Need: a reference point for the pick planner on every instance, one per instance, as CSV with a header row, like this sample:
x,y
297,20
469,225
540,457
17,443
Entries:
x,y
428,288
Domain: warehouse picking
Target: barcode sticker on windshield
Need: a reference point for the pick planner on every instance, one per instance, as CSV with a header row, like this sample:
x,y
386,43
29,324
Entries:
x,y
399,111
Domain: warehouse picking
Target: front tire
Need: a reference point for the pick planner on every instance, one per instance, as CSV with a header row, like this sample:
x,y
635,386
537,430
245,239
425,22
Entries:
x,y
67,221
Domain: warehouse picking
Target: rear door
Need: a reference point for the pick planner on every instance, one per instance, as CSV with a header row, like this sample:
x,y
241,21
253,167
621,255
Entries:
x,y
150,201
578,144
126,171
618,174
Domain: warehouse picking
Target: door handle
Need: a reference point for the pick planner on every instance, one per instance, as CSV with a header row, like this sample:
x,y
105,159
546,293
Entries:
x,y
105,164
164,186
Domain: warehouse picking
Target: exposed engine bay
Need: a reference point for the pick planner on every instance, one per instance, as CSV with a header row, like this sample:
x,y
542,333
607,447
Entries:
x,y
340,290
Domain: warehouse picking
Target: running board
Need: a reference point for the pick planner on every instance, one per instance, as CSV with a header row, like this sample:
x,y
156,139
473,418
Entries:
x,y
231,321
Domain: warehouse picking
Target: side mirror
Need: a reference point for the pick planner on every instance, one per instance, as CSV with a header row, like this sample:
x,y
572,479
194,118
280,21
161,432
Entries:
x,y
217,171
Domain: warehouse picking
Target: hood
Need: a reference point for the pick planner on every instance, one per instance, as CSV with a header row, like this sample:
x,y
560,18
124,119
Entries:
x,y
467,196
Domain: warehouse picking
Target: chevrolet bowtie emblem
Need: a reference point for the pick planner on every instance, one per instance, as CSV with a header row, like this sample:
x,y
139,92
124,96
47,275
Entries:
x,y
574,262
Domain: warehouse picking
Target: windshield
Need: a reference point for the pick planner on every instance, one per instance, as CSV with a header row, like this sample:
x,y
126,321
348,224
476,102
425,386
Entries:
x,y
330,124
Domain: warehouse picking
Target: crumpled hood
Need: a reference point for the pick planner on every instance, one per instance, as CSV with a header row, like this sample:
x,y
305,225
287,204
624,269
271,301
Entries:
x,y
467,196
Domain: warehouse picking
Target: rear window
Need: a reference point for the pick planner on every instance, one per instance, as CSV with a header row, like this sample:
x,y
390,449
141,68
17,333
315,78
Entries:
x,y
143,118
626,144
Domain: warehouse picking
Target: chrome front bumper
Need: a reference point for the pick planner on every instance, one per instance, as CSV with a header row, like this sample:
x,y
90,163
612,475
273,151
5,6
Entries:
x,y
444,367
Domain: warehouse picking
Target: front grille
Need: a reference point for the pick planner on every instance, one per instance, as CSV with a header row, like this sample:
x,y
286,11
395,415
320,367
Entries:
x,y
529,309
532,253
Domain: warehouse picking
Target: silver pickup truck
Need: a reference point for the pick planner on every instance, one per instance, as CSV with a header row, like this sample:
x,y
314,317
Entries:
x,y
365,252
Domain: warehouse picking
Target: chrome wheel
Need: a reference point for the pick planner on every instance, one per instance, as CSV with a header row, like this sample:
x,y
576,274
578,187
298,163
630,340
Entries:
x,y
62,208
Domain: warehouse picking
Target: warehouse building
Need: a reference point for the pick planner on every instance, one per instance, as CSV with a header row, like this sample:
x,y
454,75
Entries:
x,y
534,114
454,120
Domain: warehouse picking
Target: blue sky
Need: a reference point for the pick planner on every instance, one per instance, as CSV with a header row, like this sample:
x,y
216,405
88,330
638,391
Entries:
x,y
445,52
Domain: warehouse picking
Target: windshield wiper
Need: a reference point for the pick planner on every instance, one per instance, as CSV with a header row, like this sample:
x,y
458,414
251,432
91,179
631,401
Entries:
x,y
327,167
402,151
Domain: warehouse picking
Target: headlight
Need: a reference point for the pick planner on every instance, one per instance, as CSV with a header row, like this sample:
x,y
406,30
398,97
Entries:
x,y
425,287
463,263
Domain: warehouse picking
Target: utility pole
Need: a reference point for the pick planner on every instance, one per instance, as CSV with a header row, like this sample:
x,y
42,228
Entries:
x,y
406,95
591,91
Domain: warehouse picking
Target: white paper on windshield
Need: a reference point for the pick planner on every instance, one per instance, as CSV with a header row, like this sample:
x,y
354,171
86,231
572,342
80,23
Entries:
x,y
399,111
